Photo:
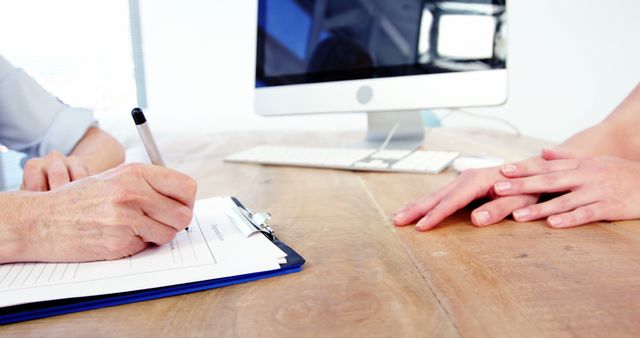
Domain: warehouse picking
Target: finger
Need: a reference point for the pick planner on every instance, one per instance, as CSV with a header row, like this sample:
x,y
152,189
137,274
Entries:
x,y
77,169
167,211
152,231
125,247
560,204
555,154
414,210
57,173
582,215
167,182
495,211
34,177
537,166
545,183
445,208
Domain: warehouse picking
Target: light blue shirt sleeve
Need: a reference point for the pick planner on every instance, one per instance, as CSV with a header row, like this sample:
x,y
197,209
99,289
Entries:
x,y
32,120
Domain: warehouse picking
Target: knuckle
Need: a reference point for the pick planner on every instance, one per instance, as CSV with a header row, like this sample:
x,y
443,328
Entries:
x,y
55,155
497,208
166,235
74,160
57,171
184,216
562,204
536,162
413,204
115,246
569,218
517,184
586,214
574,163
191,187
534,211
32,165
125,197
117,217
124,194
549,179
545,166
132,168
171,234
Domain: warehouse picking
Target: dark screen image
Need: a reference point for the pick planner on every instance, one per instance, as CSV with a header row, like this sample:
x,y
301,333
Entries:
x,y
309,41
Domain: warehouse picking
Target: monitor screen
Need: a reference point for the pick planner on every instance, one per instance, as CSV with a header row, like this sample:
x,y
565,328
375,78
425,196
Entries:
x,y
311,41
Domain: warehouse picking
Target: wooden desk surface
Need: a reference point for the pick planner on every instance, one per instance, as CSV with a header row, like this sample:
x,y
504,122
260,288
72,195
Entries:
x,y
366,278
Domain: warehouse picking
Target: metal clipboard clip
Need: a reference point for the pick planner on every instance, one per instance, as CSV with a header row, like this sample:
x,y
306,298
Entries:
x,y
252,222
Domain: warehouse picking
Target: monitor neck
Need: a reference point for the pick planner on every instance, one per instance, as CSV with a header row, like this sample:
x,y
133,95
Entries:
x,y
395,130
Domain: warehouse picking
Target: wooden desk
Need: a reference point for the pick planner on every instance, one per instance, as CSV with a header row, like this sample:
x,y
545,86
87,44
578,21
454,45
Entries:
x,y
366,278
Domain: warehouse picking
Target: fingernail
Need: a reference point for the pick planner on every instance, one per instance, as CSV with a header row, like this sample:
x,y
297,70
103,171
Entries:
x,y
508,168
423,222
398,216
481,217
521,213
502,186
554,220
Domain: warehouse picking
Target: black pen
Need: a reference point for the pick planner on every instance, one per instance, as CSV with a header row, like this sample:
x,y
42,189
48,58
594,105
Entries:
x,y
147,138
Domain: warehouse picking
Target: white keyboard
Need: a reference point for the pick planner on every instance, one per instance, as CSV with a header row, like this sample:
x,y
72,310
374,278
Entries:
x,y
419,161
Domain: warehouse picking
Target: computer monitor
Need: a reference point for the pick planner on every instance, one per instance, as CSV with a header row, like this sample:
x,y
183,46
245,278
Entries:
x,y
389,58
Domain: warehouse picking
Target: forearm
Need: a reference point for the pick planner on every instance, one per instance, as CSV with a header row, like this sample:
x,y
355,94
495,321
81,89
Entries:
x,y
599,140
617,135
16,225
99,151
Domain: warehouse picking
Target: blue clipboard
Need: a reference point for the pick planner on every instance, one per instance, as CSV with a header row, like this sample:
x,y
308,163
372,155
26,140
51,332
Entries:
x,y
19,313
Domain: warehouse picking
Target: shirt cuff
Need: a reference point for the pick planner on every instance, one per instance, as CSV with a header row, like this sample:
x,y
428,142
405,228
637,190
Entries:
x,y
66,130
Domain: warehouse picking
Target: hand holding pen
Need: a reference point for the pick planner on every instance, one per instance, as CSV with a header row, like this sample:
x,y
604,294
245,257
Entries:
x,y
147,138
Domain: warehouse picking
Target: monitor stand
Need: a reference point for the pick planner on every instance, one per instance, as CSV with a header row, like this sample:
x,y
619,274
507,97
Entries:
x,y
405,127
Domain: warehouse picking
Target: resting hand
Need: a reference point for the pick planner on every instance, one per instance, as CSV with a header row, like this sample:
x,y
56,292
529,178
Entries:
x,y
595,189
52,171
470,185
111,215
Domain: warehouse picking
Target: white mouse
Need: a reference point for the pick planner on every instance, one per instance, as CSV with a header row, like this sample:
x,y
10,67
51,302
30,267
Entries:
x,y
475,162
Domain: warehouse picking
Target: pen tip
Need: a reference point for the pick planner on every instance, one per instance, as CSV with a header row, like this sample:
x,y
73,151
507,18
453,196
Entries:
x,y
138,116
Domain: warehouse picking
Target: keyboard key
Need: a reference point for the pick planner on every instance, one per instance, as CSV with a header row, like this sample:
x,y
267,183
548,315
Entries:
x,y
391,154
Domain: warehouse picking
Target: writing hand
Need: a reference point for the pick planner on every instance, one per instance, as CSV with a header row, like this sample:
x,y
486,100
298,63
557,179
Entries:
x,y
594,188
470,185
111,215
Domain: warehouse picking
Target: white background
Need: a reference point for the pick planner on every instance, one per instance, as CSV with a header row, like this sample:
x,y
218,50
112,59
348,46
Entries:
x,y
570,63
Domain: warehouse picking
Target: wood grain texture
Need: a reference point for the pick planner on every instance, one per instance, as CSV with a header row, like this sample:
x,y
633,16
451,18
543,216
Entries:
x,y
359,279
366,278
521,279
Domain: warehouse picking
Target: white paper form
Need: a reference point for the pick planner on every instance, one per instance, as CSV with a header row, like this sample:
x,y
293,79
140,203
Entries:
x,y
212,248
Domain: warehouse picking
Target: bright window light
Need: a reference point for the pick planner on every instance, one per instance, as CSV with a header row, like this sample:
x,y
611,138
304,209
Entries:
x,y
79,50
466,37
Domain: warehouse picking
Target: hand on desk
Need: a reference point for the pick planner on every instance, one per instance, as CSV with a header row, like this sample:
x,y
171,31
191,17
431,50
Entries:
x,y
592,189
52,171
111,215
470,185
